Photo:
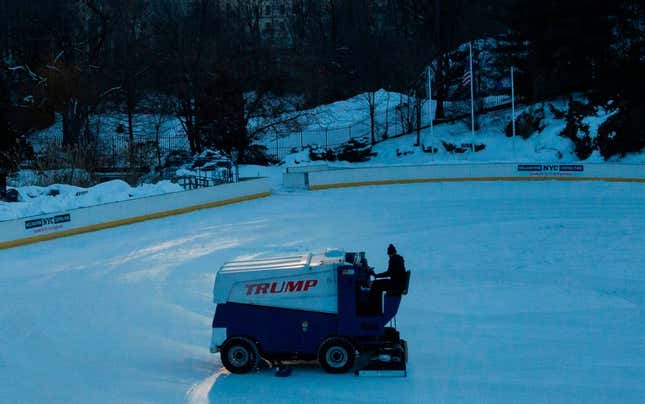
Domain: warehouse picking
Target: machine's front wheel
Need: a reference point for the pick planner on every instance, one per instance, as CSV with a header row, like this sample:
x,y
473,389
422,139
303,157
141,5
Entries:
x,y
337,355
239,355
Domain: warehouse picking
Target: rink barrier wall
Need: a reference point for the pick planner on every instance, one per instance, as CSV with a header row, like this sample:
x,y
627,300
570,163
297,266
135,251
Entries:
x,y
34,229
353,177
298,177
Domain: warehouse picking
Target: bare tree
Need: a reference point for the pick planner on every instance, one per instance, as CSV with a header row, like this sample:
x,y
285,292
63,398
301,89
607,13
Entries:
x,y
132,57
185,46
7,137
370,97
73,74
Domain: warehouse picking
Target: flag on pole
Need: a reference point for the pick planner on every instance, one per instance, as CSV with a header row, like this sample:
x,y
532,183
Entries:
x,y
472,96
465,80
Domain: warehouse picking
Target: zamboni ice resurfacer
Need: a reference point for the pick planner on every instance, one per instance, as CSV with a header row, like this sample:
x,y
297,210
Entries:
x,y
307,307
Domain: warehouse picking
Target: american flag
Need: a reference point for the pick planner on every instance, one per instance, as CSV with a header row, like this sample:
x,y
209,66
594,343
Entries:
x,y
465,80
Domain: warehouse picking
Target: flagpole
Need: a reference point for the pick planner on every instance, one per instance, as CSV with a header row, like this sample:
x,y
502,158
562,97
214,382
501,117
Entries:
x,y
430,107
472,98
513,107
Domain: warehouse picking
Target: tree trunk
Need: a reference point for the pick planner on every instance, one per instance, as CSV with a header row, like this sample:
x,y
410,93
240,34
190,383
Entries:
x,y
75,117
417,106
3,183
131,139
130,102
158,125
442,86
440,112
441,66
371,99
189,121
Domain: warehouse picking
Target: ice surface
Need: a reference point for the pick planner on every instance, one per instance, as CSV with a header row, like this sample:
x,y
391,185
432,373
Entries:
x,y
520,292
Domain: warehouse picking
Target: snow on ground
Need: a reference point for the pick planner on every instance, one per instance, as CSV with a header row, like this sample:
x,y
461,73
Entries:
x,y
520,292
40,200
335,123
329,125
353,111
545,146
59,197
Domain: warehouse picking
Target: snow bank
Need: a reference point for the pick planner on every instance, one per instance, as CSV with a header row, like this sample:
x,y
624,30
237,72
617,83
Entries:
x,y
59,197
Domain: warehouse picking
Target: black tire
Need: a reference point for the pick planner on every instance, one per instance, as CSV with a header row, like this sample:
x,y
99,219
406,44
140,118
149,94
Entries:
x,y
336,355
239,355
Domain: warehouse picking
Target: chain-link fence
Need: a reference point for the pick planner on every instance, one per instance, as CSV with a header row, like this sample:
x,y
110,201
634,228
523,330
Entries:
x,y
114,151
395,122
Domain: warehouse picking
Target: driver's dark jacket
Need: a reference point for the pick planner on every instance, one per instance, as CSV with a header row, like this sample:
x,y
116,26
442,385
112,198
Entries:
x,y
395,271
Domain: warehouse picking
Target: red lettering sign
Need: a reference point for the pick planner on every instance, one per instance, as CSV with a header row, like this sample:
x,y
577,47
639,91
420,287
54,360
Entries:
x,y
280,287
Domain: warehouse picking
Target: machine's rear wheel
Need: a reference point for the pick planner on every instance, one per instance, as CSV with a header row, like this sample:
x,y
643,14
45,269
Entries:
x,y
337,355
239,355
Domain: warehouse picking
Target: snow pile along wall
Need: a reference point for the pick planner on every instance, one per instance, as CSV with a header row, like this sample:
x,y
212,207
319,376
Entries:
x,y
44,227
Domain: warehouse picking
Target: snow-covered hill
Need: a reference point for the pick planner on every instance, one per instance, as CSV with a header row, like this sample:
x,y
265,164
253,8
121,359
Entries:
x,y
334,124
545,145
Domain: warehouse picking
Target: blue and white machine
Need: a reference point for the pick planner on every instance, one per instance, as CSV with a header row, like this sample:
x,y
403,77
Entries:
x,y
306,307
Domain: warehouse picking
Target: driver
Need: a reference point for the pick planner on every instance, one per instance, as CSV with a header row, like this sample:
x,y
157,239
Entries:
x,y
391,280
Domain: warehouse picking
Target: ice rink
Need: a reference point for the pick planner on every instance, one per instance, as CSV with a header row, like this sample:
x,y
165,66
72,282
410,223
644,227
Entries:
x,y
520,292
